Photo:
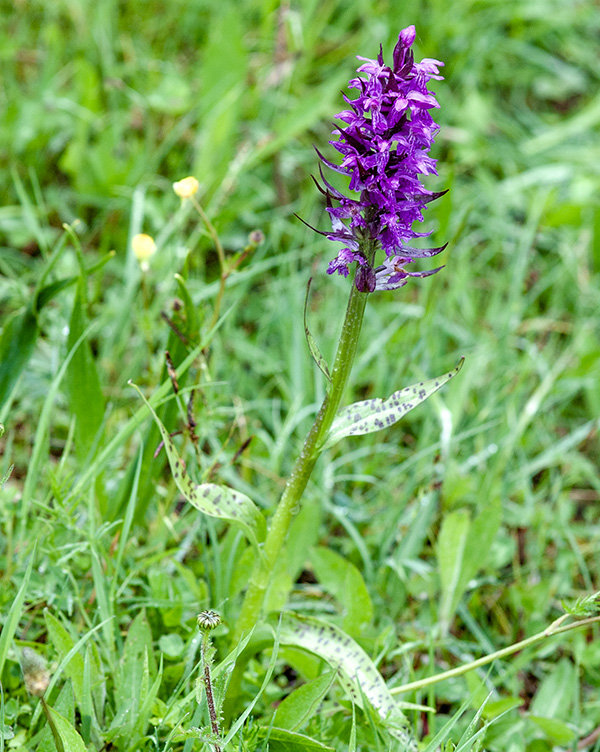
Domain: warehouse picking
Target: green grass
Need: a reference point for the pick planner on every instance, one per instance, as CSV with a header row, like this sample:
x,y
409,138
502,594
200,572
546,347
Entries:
x,y
460,530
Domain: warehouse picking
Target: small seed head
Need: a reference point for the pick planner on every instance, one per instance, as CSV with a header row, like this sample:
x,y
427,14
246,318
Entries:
x,y
208,620
256,237
35,673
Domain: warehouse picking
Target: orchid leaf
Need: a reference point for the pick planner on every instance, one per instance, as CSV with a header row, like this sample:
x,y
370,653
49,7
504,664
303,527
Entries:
x,y
209,498
358,674
315,352
374,415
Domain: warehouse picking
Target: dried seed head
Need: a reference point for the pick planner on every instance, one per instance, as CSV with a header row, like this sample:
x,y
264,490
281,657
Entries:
x,y
256,237
35,672
208,620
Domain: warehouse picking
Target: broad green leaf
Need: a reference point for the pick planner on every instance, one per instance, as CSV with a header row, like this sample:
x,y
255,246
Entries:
x,y
86,400
65,706
556,693
72,663
452,543
481,536
282,740
411,543
63,643
556,730
497,708
344,581
71,740
302,704
357,671
459,560
138,647
213,500
315,352
374,415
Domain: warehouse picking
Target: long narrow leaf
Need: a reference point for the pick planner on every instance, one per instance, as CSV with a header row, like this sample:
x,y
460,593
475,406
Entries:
x,y
12,620
86,401
16,345
38,445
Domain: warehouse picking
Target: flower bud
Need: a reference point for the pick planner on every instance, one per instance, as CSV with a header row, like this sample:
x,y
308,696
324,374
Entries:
x,y
186,188
143,247
208,620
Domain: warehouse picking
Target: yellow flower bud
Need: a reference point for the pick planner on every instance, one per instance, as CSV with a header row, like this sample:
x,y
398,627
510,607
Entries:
x,y
143,248
186,188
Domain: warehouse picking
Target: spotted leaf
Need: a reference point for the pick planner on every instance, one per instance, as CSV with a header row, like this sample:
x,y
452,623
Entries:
x,y
209,498
357,672
374,415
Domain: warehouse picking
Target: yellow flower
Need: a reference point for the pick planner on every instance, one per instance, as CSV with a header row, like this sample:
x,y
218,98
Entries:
x,y
186,188
143,248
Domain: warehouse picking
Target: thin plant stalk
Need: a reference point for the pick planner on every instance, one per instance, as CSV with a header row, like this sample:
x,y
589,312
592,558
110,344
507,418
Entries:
x,y
210,700
220,253
551,631
265,565
207,621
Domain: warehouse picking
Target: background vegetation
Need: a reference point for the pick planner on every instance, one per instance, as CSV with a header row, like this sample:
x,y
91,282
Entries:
x,y
462,529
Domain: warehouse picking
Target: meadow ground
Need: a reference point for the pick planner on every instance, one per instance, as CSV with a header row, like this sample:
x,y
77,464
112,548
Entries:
x,y
467,527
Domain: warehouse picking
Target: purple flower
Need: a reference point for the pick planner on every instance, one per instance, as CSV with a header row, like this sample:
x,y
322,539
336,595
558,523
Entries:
x,y
384,142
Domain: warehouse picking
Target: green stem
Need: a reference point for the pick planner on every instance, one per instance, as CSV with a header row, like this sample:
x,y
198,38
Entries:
x,y
288,504
551,631
222,262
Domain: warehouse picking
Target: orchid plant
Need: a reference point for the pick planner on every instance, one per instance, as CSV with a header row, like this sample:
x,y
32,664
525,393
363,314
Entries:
x,y
384,143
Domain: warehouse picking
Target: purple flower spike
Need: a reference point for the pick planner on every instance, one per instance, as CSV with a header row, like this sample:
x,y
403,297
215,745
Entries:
x,y
384,142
